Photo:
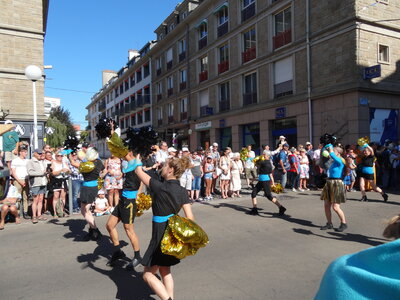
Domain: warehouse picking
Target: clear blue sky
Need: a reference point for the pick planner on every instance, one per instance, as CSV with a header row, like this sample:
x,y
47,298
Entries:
x,y
85,37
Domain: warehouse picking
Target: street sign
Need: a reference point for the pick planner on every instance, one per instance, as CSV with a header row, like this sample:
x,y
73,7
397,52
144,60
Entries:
x,y
20,129
49,130
372,72
280,112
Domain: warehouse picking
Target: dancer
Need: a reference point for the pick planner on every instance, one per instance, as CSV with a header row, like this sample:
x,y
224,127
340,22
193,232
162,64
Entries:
x,y
367,174
168,198
125,211
90,170
334,191
264,168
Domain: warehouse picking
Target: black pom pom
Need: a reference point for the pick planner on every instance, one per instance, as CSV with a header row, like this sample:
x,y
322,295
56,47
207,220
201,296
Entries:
x,y
328,139
71,143
141,140
103,128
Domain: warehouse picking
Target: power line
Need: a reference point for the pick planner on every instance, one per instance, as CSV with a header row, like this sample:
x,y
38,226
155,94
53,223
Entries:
x,y
69,90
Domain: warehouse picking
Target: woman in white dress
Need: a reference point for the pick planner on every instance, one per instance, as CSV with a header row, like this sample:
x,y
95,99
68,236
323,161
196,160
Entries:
x,y
236,170
225,166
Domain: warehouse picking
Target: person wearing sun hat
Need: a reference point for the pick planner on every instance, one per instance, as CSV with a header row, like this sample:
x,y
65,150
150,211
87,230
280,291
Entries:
x,y
10,144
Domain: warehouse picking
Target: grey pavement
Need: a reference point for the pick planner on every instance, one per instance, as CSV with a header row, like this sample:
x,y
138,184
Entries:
x,y
248,257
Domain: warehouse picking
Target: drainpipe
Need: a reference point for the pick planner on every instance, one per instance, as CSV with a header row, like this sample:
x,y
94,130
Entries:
x,y
189,106
310,131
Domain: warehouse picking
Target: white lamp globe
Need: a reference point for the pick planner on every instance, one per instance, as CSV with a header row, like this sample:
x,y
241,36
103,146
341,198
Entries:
x,y
33,72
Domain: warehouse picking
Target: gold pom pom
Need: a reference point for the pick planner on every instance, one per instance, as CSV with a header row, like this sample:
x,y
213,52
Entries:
x,y
277,188
116,146
86,167
143,202
243,154
100,183
363,141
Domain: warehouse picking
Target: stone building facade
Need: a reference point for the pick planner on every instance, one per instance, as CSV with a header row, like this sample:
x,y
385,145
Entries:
x,y
22,32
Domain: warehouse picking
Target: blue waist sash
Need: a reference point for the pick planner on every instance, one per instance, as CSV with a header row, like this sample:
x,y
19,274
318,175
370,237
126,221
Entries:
x,y
90,183
129,194
161,219
368,170
263,177
132,164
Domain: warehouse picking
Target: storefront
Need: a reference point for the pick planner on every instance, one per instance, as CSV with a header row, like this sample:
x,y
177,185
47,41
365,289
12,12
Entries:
x,y
251,136
287,128
203,134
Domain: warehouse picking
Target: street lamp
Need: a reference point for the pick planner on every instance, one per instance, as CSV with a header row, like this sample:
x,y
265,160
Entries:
x,y
34,73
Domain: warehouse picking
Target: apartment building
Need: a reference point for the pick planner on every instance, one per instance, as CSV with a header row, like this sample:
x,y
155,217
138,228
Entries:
x,y
22,31
125,97
244,72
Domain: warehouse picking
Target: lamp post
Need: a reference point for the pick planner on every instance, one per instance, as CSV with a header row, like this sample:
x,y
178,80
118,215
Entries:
x,y
34,73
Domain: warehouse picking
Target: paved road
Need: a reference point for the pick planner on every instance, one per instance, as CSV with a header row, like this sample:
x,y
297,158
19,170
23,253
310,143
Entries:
x,y
249,257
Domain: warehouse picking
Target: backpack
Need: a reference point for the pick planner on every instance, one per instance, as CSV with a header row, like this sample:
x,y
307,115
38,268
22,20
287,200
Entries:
x,y
276,159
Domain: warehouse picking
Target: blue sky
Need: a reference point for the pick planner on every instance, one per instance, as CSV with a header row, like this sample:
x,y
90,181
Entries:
x,y
85,37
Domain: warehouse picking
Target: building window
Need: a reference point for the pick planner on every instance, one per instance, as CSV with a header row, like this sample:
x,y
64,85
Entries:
x,y
146,95
170,110
223,56
224,96
383,53
159,116
182,79
146,70
170,85
147,115
169,57
183,15
222,14
116,92
140,117
159,90
132,80
283,28
126,85
133,120
248,9
203,62
251,135
139,75
158,66
183,104
283,76
182,49
205,109
250,89
203,32
249,45
121,89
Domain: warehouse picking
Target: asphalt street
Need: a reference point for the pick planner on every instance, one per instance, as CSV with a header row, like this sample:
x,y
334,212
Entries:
x,y
248,257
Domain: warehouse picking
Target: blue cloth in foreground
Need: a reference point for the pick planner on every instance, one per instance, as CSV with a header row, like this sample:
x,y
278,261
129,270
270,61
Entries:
x,y
161,219
132,164
373,273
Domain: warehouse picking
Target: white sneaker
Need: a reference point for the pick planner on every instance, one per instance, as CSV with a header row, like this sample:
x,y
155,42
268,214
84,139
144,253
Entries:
x,y
301,190
294,190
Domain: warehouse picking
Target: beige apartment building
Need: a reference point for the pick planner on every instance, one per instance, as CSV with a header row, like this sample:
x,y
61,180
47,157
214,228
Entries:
x,y
22,32
241,72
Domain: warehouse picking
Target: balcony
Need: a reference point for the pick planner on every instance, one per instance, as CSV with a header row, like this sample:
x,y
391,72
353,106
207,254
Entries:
x,y
127,108
102,106
203,76
224,105
158,71
202,42
282,39
249,55
170,119
249,98
159,122
170,91
248,12
169,65
206,111
223,67
182,56
283,88
139,100
159,97
222,29
184,115
146,99
116,112
182,86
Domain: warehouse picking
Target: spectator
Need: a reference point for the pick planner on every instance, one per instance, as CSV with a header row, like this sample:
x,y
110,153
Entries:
x,y
216,156
162,153
59,177
20,173
172,152
304,170
76,179
38,181
318,171
249,168
10,145
48,196
283,165
350,175
197,173
294,171
101,206
10,205
236,170
208,170
395,164
225,165
113,179
187,176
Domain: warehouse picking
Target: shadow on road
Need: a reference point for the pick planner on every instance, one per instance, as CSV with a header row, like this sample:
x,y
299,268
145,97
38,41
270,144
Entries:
x,y
345,236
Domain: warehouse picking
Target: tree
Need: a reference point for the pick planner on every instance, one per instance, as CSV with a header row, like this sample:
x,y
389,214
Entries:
x,y
84,135
64,117
59,134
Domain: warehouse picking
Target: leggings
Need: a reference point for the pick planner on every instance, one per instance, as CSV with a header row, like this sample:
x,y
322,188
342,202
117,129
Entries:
x,y
262,185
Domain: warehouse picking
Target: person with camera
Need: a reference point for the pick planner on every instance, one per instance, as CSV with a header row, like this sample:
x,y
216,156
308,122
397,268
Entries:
x,y
20,172
58,182
38,179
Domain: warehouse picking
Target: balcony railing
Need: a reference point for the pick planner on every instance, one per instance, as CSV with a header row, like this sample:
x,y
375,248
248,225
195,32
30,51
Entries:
x,y
249,54
248,12
102,106
184,115
169,65
249,98
206,111
202,42
170,91
282,38
116,112
139,100
222,29
223,66
283,88
133,105
159,97
203,76
127,108
170,119
182,56
182,86
146,99
158,71
224,105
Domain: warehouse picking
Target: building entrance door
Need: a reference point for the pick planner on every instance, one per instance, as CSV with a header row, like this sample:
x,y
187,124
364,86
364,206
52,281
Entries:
x,y
285,127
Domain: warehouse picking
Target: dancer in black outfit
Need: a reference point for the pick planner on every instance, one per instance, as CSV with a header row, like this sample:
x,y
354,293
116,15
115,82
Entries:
x,y
264,168
168,198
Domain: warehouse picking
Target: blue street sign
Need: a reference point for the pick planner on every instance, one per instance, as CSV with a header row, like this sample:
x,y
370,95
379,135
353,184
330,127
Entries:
x,y
372,72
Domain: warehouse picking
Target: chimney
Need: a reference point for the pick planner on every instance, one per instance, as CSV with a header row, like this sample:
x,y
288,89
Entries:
x,y
107,75
132,54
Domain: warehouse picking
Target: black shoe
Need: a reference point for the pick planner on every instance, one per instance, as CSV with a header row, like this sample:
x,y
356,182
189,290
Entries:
x,y
96,236
89,235
133,264
364,198
385,197
119,254
342,227
281,211
253,211
327,226
26,216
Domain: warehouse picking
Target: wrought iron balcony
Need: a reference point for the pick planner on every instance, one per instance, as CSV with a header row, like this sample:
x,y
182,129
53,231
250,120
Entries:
x,y
282,38
249,54
206,111
223,67
249,98
202,42
224,105
182,86
203,76
222,29
182,56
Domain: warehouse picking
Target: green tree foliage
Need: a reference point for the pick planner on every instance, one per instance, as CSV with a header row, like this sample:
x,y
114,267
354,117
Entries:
x,y
64,117
84,135
60,121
